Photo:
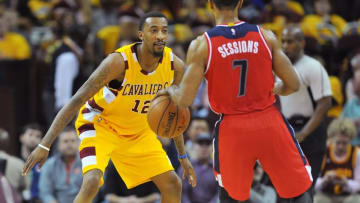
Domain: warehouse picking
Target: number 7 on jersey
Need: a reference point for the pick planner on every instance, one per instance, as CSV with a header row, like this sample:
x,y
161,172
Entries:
x,y
243,65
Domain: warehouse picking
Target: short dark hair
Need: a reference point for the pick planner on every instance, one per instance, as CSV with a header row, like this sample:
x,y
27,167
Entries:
x,y
225,3
153,14
34,126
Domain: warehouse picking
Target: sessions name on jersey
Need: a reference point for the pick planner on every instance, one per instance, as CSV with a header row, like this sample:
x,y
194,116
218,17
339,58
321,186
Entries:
x,y
245,46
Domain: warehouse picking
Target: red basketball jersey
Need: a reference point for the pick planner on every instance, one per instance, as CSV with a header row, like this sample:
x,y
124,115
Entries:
x,y
239,69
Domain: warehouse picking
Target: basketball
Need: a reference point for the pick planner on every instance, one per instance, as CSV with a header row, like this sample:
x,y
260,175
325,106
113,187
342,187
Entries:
x,y
166,119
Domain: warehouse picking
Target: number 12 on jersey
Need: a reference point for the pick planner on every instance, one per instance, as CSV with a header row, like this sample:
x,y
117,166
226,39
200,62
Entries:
x,y
243,65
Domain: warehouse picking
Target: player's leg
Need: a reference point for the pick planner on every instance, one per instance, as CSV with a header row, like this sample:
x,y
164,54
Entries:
x,y
145,160
284,161
96,144
169,185
234,158
89,187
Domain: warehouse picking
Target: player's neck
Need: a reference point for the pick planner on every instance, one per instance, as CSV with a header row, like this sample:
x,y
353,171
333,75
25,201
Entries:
x,y
226,17
147,60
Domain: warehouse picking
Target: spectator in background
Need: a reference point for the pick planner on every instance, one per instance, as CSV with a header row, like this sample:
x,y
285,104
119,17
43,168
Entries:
x,y
352,107
306,109
197,126
65,63
207,187
115,190
30,137
14,165
112,36
339,181
61,177
279,13
323,26
261,193
349,86
13,46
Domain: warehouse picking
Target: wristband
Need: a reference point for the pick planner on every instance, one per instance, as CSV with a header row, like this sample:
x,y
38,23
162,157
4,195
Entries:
x,y
183,156
42,146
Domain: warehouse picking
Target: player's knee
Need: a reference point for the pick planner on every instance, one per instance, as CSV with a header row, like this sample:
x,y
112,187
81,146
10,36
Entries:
x,y
91,181
174,184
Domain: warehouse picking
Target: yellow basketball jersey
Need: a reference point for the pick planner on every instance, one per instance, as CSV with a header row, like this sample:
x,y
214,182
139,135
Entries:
x,y
125,108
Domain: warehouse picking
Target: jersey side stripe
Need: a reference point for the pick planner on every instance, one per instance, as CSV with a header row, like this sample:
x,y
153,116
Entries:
x,y
263,39
209,51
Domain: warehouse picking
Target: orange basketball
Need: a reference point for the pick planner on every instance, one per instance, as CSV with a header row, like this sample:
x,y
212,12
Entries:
x,y
166,119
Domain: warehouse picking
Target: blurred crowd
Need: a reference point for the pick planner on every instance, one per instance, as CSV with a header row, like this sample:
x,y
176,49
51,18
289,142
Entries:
x,y
63,41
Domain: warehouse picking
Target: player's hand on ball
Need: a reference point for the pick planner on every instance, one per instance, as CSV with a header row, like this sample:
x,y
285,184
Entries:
x,y
39,155
189,172
163,92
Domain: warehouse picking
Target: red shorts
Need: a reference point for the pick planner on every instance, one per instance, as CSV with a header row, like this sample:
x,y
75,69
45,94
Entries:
x,y
265,136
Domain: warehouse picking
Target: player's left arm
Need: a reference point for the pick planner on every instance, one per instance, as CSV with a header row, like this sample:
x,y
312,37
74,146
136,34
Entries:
x,y
179,69
184,94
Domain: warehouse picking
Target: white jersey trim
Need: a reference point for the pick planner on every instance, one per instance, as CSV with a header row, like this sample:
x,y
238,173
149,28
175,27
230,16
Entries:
x,y
231,25
209,52
263,39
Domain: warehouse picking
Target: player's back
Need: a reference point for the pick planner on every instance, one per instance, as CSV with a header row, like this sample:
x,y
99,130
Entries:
x,y
239,69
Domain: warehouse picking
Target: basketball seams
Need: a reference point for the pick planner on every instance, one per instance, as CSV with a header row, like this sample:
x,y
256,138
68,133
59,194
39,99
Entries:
x,y
155,104
162,116
176,122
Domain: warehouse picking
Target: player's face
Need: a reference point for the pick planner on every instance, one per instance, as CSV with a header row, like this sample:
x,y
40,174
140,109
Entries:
x,y
341,143
291,46
155,35
68,144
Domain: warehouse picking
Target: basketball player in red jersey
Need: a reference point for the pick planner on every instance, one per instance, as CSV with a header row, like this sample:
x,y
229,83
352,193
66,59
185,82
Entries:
x,y
238,60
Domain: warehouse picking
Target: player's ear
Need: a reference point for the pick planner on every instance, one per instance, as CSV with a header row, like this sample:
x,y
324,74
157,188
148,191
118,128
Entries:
x,y
141,35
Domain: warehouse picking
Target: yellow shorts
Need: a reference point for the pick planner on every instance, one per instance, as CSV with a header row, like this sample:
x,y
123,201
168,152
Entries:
x,y
137,158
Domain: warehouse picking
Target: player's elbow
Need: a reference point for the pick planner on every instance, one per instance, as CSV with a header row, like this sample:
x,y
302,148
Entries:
x,y
296,85
293,85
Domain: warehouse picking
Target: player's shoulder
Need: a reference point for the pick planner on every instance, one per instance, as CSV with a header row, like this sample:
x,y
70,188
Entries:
x,y
125,48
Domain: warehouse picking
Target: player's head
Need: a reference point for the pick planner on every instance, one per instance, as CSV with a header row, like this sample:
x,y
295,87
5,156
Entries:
x,y
153,32
221,5
341,131
293,42
68,142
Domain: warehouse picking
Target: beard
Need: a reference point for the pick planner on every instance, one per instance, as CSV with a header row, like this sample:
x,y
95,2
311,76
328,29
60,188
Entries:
x,y
158,53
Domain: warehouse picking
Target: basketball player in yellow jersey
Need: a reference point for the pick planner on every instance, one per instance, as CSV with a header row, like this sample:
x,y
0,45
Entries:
x,y
111,122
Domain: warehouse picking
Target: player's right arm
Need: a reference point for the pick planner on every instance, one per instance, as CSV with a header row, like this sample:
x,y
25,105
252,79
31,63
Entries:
x,y
112,67
282,67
